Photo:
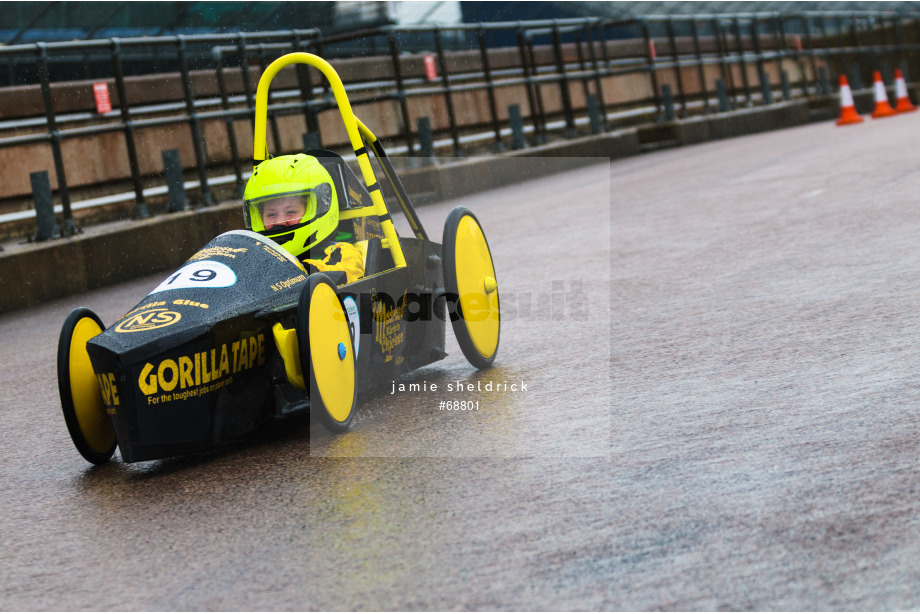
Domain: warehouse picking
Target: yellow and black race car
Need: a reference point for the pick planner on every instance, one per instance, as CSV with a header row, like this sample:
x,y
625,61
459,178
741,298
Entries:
x,y
245,333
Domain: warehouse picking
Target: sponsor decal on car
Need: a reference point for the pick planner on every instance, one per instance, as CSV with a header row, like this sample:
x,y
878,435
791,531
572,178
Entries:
x,y
109,391
389,320
226,252
274,253
181,301
175,379
287,283
148,320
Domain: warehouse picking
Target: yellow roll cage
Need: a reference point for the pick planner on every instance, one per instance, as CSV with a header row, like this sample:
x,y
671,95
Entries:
x,y
356,130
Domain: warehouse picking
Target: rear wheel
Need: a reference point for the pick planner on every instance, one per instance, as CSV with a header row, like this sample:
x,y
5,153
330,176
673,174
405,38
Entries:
x,y
81,399
326,353
469,278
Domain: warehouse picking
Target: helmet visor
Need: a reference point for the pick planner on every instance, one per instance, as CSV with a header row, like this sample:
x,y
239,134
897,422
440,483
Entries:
x,y
280,212
284,211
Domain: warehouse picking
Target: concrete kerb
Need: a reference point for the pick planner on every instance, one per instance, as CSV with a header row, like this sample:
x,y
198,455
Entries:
x,y
33,273
442,182
728,124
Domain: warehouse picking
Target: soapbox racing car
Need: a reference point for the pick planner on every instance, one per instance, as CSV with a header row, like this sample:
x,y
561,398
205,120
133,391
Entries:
x,y
241,335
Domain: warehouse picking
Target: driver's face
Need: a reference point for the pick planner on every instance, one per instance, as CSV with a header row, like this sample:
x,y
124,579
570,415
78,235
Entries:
x,y
285,211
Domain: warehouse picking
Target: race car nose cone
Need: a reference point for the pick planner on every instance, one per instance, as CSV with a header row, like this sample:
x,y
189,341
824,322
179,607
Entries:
x,y
342,351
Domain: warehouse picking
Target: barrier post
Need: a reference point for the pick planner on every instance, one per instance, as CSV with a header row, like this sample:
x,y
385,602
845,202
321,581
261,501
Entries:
x,y
44,207
823,85
723,96
311,141
855,78
174,182
667,99
766,88
517,127
425,139
594,114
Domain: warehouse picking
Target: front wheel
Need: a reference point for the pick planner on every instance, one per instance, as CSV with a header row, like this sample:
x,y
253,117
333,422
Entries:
x,y
469,279
81,398
327,353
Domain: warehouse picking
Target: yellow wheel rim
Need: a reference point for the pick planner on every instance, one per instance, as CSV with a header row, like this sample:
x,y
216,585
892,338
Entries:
x,y
333,373
477,287
94,423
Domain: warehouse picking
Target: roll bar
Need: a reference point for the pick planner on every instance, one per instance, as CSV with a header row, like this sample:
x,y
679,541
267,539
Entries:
x,y
355,130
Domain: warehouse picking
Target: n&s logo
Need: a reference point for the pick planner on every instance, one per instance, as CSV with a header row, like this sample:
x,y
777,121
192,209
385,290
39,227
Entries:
x,y
148,320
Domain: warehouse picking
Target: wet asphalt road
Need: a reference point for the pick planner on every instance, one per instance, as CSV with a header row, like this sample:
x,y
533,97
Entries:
x,y
414,507
718,344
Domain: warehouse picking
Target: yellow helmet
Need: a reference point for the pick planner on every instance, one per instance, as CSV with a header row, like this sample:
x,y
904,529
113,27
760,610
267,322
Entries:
x,y
291,200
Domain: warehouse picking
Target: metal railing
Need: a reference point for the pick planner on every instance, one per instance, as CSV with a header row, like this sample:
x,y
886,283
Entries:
x,y
569,77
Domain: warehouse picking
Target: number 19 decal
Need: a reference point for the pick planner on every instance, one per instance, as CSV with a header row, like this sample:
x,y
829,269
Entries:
x,y
202,274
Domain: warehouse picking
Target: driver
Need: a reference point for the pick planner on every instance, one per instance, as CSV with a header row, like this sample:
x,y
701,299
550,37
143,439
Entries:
x,y
291,200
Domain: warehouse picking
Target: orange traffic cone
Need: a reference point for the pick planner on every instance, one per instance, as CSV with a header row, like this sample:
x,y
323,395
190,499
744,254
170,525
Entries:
x,y
882,108
848,114
900,87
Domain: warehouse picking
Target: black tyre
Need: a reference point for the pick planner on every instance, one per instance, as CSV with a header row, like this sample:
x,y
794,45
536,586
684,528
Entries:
x,y
81,399
470,282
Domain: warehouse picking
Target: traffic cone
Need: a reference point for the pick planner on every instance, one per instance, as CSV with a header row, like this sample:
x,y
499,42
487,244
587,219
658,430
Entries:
x,y
848,114
900,86
882,108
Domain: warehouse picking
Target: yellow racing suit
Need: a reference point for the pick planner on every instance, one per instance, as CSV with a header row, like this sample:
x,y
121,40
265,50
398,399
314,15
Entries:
x,y
348,257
